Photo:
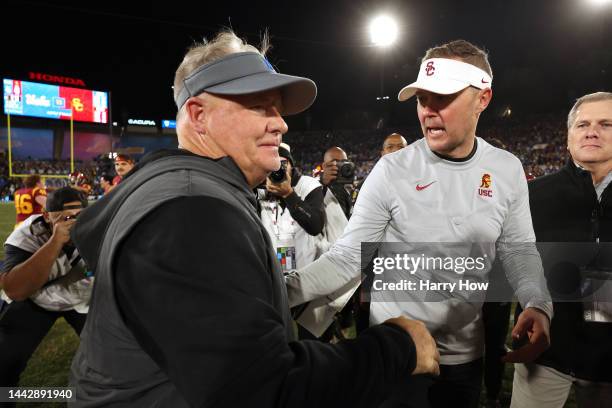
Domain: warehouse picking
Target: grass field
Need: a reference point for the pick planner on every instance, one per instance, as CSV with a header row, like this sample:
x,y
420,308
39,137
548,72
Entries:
x,y
50,363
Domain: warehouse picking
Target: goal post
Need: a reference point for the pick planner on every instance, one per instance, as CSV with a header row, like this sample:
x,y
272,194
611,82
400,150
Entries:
x,y
42,176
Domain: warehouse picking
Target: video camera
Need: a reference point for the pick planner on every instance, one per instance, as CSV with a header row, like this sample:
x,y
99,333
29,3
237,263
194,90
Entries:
x,y
346,172
279,175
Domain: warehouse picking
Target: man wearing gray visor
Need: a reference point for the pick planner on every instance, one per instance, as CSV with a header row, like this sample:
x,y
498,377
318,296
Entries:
x,y
190,307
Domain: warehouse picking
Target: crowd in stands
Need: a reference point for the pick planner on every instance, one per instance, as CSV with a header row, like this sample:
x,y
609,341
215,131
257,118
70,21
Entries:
x,y
54,173
538,141
43,167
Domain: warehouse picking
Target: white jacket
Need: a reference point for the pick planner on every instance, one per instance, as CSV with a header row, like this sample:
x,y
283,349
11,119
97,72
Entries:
x,y
285,231
56,298
319,314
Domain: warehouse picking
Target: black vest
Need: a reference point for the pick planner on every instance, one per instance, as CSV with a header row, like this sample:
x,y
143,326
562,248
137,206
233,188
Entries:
x,y
110,368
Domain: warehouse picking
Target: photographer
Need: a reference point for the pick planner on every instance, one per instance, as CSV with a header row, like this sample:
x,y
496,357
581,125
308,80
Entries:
x,y
338,172
328,316
292,212
43,278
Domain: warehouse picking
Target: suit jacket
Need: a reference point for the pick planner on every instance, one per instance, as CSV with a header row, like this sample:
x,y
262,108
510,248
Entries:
x,y
565,209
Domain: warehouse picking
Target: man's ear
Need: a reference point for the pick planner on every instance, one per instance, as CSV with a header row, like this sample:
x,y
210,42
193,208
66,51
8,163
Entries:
x,y
484,98
195,112
46,217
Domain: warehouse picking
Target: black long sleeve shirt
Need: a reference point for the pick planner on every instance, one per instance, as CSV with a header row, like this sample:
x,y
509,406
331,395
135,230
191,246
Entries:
x,y
343,197
308,213
194,298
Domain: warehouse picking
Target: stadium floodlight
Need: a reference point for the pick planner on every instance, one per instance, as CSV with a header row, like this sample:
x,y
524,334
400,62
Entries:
x,y
383,31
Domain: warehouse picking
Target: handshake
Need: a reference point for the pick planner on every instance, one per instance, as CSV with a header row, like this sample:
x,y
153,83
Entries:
x,y
428,357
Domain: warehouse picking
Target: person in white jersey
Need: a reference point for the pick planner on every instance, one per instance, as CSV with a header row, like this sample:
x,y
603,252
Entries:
x,y
448,187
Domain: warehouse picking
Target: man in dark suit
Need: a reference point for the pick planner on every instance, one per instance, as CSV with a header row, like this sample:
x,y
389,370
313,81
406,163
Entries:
x,y
574,207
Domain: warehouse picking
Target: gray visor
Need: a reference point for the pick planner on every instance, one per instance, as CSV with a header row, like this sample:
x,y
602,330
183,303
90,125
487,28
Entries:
x,y
244,73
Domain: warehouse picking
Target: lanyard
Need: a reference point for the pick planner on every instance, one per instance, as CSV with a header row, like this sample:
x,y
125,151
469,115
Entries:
x,y
276,224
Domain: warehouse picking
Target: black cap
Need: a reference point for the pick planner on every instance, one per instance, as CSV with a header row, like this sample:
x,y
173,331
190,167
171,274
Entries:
x,y
282,152
56,199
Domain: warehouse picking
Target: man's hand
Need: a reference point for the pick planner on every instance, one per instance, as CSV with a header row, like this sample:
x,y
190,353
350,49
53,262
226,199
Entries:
x,y
61,231
428,357
535,324
330,173
282,189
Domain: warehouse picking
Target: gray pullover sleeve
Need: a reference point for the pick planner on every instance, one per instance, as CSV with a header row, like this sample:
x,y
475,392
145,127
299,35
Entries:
x,y
520,258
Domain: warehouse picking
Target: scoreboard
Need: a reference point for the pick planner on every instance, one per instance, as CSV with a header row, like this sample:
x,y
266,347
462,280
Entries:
x,y
54,101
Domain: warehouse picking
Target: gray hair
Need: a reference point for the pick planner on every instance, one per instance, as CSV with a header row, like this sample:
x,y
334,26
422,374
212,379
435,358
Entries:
x,y
225,42
594,97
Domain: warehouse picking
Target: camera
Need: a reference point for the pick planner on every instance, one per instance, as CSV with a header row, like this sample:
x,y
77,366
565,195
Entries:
x,y
346,172
279,175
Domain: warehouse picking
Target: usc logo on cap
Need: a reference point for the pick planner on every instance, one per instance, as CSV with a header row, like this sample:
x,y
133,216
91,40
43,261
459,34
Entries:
x,y
429,68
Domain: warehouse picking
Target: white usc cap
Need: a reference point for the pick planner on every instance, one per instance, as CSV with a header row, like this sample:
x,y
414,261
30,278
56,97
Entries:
x,y
446,76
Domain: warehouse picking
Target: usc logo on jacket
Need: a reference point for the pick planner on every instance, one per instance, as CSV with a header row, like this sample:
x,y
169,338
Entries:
x,y
485,186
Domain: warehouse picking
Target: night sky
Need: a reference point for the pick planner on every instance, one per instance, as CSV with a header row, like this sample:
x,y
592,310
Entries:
x,y
544,53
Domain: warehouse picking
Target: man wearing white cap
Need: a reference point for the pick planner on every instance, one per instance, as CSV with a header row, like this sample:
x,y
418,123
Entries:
x,y
449,187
